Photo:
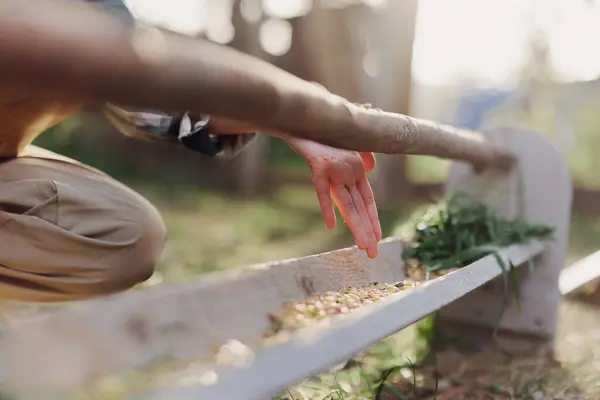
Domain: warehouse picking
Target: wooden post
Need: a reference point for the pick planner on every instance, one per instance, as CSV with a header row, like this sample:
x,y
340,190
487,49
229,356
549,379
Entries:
x,y
332,48
249,168
392,88
538,189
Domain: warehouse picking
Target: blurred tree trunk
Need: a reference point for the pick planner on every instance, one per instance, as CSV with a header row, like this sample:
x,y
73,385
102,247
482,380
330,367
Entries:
x,y
297,60
326,47
329,42
393,37
249,168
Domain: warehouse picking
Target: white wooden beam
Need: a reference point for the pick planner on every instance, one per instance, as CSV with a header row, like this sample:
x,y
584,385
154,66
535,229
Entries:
x,y
539,190
182,322
583,272
278,367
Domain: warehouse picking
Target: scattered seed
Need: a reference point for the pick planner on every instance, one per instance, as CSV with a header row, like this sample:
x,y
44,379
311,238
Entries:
x,y
300,314
235,353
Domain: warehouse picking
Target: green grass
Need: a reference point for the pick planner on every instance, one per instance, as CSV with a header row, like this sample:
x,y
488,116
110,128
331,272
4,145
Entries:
x,y
209,232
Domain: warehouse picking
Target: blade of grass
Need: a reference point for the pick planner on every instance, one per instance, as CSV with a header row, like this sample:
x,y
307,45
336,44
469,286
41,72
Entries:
x,y
515,281
364,377
339,388
414,374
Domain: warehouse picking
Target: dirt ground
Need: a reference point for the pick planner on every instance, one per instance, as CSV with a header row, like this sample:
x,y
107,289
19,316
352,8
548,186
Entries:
x,y
516,368
573,372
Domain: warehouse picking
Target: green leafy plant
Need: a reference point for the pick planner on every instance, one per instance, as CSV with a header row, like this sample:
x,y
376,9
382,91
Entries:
x,y
459,231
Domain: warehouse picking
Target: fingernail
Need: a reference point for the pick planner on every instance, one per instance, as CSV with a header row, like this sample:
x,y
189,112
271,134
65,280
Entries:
x,y
373,251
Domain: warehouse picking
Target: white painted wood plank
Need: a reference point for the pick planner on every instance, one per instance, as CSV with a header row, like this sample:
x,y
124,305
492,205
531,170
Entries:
x,y
181,322
279,367
583,272
538,189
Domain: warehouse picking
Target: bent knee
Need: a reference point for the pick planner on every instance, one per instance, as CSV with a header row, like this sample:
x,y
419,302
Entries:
x,y
71,233
68,266
136,262
138,239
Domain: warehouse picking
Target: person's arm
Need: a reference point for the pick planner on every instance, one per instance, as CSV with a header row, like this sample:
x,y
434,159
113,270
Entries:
x,y
339,175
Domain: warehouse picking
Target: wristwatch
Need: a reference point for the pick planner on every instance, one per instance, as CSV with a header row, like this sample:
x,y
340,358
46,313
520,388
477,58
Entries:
x,y
193,131
195,134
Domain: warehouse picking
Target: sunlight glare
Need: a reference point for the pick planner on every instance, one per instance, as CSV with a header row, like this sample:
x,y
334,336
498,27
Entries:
x,y
483,42
575,50
469,40
251,10
184,16
275,36
285,9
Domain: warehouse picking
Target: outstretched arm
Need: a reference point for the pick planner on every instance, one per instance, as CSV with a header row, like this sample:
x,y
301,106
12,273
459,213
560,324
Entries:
x,y
341,176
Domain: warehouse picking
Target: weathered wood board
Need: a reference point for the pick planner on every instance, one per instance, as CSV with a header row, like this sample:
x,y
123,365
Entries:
x,y
538,189
278,367
183,321
582,273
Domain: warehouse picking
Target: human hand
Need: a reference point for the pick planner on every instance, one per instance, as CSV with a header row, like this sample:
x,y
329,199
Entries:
x,y
341,175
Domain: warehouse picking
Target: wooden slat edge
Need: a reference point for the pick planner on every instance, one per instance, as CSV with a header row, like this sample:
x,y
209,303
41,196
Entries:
x,y
277,368
181,321
582,272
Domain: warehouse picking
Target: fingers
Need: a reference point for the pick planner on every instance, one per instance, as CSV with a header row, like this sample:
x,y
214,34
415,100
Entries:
x,y
366,224
366,192
345,182
368,160
323,189
349,212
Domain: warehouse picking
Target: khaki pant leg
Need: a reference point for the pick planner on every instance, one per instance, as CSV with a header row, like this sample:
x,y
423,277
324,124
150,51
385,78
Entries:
x,y
70,232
